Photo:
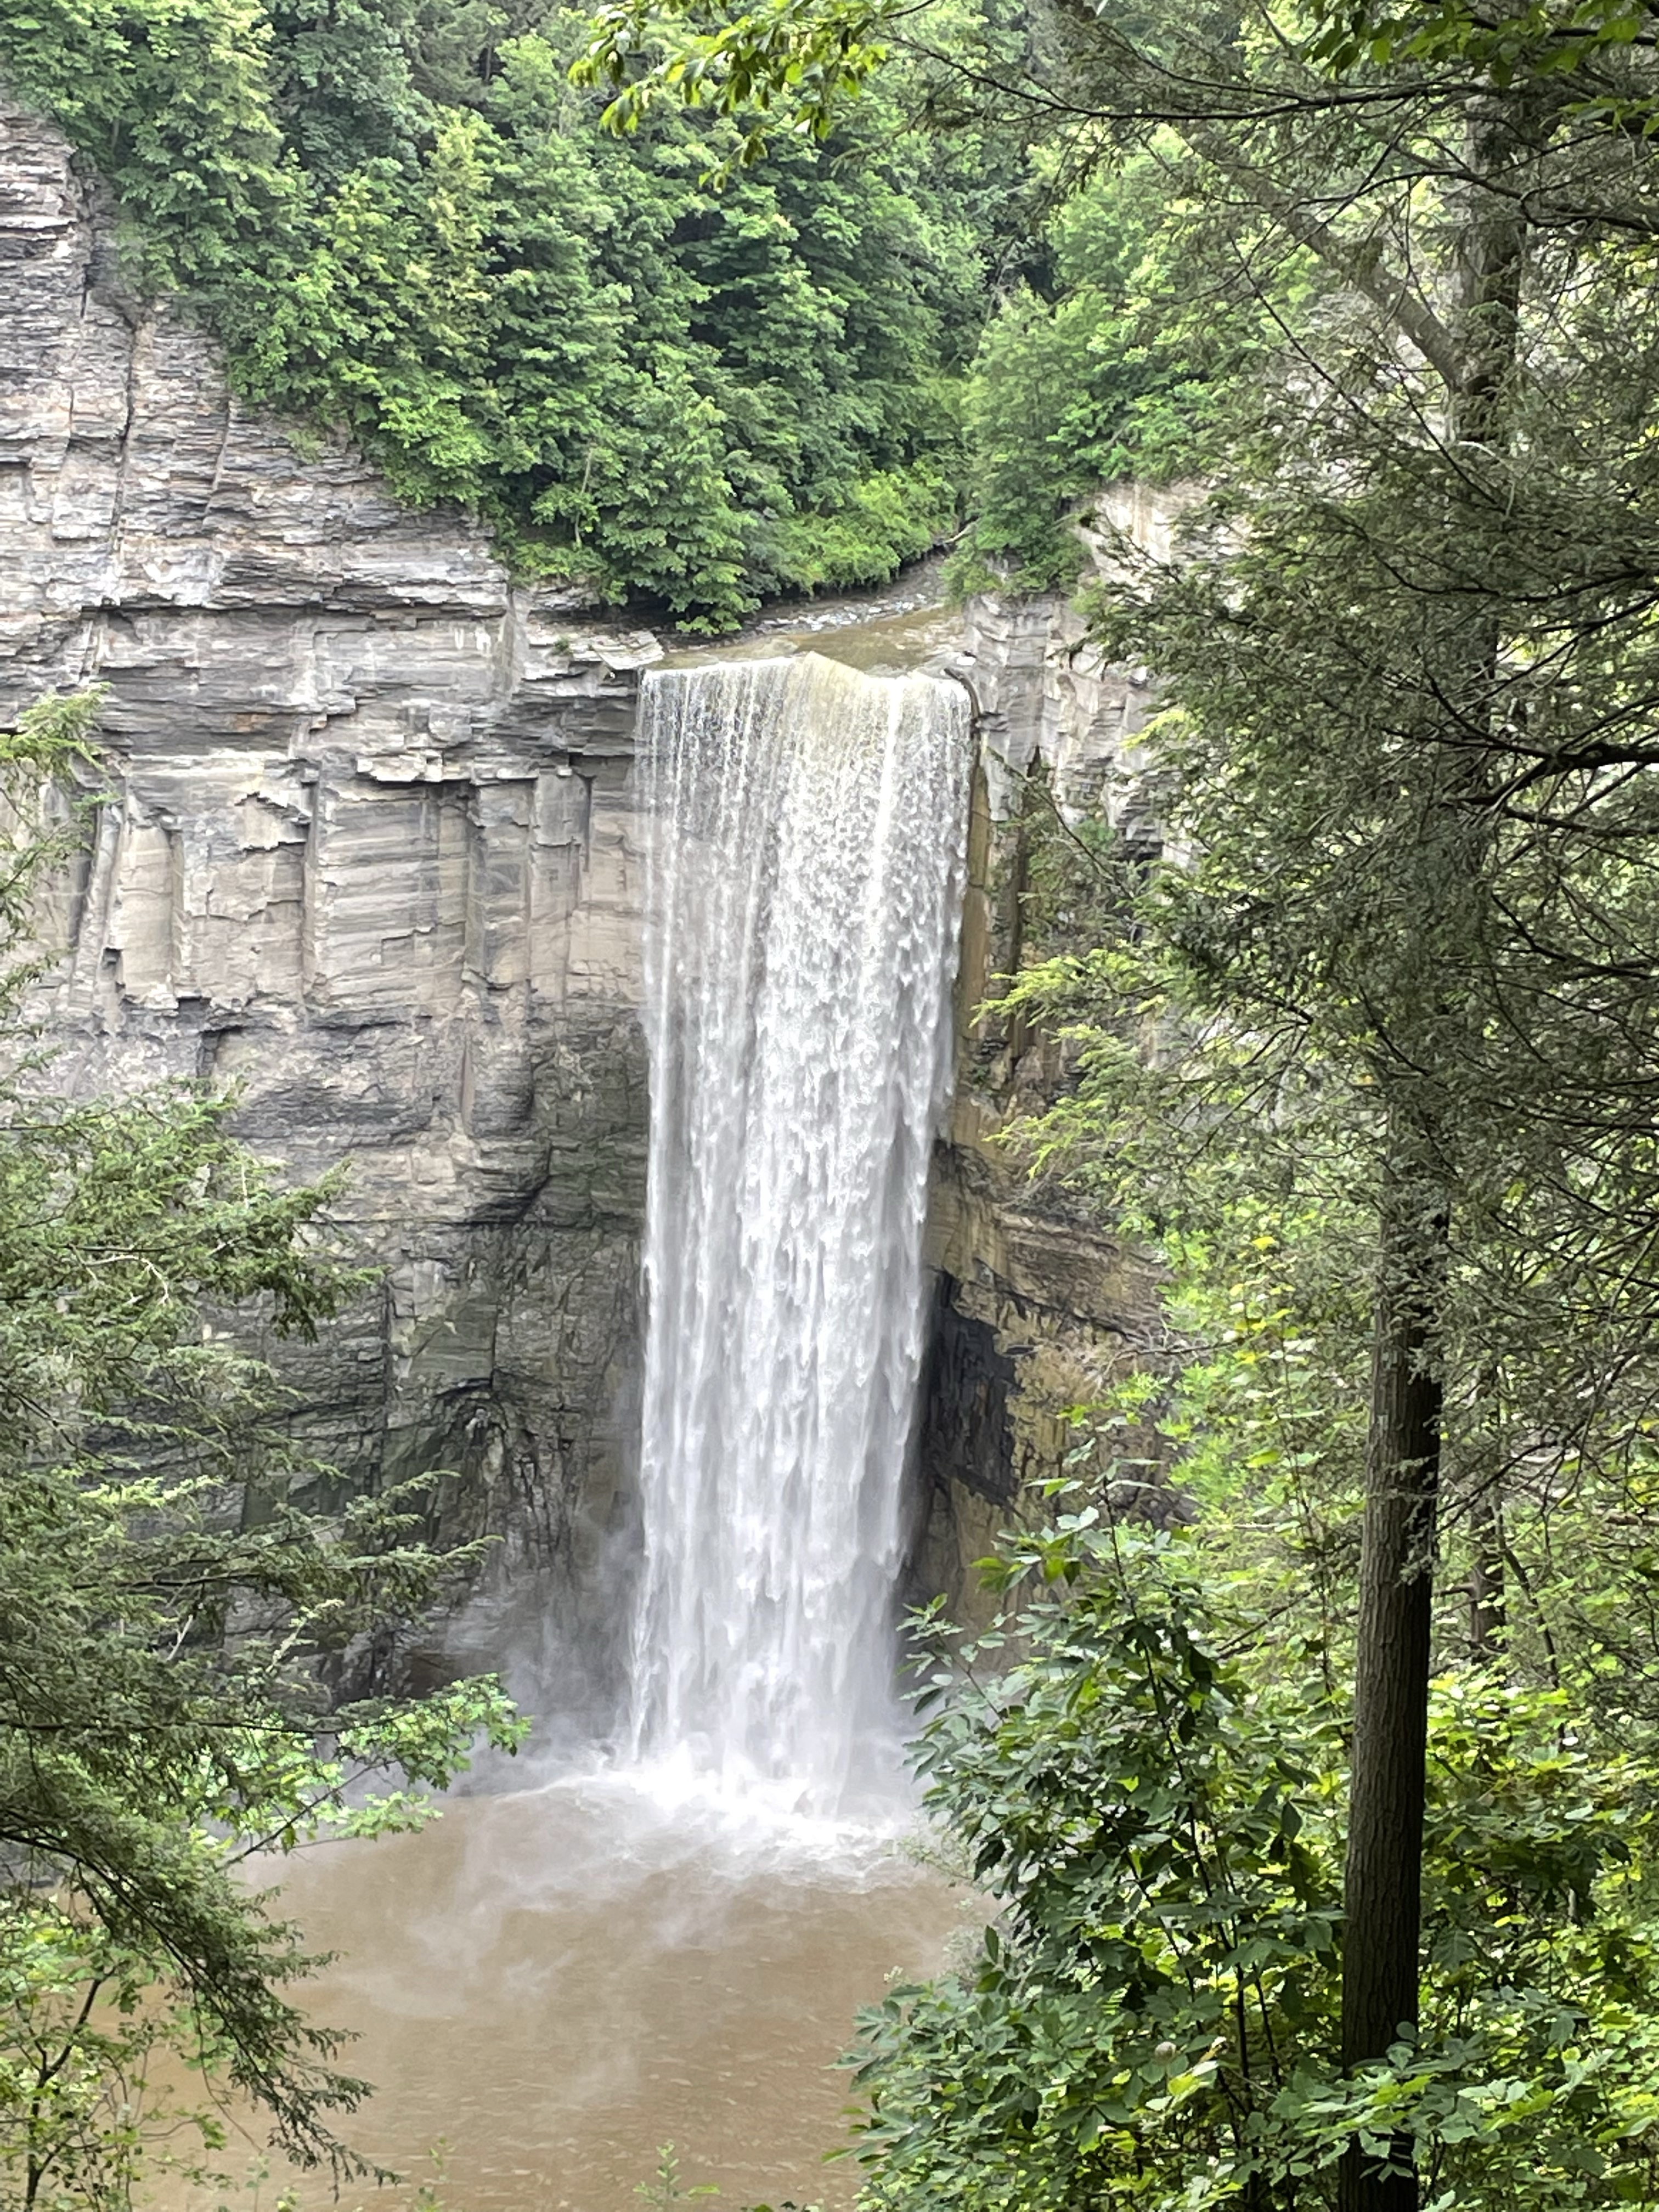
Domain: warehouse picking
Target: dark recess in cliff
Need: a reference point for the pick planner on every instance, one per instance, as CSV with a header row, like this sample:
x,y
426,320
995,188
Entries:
x,y
966,1435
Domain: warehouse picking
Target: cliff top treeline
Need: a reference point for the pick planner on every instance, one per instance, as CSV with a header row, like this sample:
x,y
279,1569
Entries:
x,y
403,220
1323,1829
653,370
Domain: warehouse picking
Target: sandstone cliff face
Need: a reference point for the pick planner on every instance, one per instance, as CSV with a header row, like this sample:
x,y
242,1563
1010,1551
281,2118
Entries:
x,y
371,855
1050,703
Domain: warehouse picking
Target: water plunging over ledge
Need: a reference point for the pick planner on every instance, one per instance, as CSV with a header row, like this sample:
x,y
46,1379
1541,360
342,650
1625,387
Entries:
x,y
805,882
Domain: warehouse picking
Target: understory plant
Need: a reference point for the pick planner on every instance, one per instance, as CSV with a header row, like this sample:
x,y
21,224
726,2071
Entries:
x,y
1147,1772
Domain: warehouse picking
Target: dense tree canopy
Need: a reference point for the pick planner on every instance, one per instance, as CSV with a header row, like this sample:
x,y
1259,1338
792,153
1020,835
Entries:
x,y
1322,1832
1374,1059
403,219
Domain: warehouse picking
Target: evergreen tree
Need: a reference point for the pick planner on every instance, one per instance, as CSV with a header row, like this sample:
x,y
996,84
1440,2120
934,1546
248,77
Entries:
x,y
653,371
1406,643
183,1680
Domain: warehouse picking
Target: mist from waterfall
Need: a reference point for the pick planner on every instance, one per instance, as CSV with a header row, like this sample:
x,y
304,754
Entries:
x,y
803,888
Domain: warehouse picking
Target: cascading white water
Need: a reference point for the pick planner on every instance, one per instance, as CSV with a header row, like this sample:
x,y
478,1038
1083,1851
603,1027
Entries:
x,y
804,881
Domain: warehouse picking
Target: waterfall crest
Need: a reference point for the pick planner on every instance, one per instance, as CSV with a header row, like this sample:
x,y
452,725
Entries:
x,y
804,887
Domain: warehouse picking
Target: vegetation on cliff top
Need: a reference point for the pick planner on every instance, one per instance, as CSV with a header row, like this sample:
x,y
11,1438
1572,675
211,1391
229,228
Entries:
x,y
1323,1833
404,220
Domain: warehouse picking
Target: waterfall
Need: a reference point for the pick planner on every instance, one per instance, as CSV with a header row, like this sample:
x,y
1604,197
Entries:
x,y
804,886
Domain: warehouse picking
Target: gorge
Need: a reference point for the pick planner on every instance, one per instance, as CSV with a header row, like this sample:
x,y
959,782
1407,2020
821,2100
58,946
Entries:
x,y
809,812
376,861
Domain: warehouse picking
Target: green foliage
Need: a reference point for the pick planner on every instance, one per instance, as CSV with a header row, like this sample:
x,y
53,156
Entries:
x,y
404,221
1373,1059
788,66
1160,1835
665,2189
1151,2017
1591,42
52,741
79,2034
893,516
1408,759
172,104
1122,372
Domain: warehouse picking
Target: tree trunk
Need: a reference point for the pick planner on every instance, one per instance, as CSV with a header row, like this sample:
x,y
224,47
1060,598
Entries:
x,y
1383,1880
1384,1874
1488,1598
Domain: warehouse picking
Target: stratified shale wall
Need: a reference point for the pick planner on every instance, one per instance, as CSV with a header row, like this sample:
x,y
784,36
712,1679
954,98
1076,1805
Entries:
x,y
371,856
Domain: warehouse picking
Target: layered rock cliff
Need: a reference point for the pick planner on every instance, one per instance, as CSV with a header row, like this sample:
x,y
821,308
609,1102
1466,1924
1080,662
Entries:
x,y
1038,1307
370,855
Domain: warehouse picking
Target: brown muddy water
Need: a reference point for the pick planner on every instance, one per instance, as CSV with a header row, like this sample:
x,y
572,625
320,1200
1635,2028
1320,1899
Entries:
x,y
889,631
550,1986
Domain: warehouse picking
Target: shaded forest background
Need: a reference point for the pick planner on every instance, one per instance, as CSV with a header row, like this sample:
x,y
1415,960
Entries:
x,y
404,219
655,370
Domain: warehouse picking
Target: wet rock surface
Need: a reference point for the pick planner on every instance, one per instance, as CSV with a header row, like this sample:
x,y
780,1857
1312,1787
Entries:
x,y
373,856
1038,1309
